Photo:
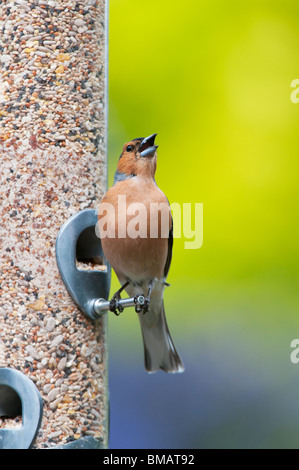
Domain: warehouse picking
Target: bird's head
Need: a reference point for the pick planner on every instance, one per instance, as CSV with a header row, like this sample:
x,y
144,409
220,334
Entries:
x,y
139,157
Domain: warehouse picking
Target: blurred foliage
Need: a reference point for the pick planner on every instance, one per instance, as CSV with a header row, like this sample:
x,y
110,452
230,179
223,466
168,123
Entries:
x,y
212,78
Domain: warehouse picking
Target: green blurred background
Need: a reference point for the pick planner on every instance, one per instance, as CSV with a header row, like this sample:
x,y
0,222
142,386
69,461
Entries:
x,y
212,78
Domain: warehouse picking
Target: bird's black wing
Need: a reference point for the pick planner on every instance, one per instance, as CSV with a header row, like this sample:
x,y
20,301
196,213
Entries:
x,y
169,254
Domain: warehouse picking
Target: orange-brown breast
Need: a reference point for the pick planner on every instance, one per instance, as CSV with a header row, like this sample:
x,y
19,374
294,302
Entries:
x,y
137,258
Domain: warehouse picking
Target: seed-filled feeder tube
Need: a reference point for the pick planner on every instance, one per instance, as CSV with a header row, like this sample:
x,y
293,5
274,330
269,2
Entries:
x,y
53,126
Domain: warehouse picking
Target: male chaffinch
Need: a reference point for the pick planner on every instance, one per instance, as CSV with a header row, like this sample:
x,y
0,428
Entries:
x,y
141,260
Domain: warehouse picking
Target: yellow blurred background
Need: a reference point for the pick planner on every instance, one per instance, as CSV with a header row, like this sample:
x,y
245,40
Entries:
x,y
213,78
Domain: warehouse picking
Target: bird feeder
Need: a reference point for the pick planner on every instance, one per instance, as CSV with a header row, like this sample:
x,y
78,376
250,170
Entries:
x,y
53,144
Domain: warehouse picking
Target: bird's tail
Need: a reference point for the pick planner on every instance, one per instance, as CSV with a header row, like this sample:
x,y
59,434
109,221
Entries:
x,y
159,350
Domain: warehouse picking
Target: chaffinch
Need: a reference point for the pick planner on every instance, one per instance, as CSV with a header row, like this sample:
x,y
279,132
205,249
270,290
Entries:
x,y
135,226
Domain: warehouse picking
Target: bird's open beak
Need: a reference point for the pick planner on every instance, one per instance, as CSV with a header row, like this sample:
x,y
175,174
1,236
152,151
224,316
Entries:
x,y
147,147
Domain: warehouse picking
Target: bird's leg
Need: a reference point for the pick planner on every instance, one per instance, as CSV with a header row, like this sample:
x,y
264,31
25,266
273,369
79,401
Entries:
x,y
148,298
114,305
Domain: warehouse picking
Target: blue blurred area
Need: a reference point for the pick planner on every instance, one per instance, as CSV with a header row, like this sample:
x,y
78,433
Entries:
x,y
239,390
219,402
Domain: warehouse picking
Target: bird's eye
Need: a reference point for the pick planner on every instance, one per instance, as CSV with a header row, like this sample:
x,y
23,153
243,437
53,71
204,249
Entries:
x,y
129,148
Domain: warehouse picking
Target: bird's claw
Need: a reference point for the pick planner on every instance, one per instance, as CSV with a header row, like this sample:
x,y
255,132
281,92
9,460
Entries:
x,y
114,305
142,304
146,305
138,300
